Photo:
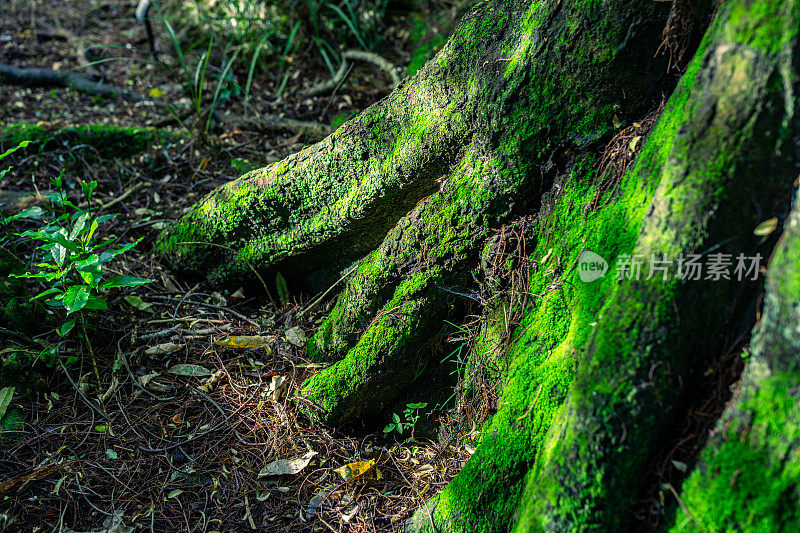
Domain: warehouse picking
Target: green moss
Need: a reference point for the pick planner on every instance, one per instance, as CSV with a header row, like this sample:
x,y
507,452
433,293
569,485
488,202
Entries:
x,y
751,481
768,26
104,141
364,372
579,454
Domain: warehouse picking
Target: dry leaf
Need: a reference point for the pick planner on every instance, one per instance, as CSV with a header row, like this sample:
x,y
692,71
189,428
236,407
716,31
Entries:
x,y
353,470
296,336
766,227
163,348
211,381
287,466
276,387
190,370
244,341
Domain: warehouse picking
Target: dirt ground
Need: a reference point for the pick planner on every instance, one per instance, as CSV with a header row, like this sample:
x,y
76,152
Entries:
x,y
150,449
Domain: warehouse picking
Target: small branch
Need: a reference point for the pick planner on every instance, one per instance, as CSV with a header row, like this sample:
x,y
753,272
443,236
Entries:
x,y
123,196
44,77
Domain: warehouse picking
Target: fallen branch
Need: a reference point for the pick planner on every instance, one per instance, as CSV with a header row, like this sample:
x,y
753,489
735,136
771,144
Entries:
x,y
357,55
40,77
264,123
44,77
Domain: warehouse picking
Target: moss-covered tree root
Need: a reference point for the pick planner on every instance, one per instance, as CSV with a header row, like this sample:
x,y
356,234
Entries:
x,y
748,476
507,120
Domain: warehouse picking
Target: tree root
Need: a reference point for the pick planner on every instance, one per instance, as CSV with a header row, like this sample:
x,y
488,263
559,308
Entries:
x,y
357,55
43,77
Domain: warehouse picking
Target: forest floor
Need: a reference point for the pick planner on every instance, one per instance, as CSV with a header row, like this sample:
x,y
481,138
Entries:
x,y
156,444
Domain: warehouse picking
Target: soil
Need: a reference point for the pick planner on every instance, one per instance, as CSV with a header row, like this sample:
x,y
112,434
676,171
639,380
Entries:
x,y
158,450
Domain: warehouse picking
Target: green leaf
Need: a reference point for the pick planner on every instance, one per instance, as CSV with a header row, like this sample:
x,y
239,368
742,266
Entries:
x,y
124,281
92,228
89,269
48,292
396,418
111,453
75,298
10,151
88,188
96,303
66,327
108,255
174,493
283,289
31,212
190,370
101,428
78,226
6,393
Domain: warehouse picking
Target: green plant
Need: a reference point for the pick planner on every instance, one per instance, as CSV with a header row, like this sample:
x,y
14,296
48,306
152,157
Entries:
x,y
411,416
196,84
69,260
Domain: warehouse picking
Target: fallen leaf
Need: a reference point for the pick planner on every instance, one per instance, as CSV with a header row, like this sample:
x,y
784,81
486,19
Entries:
x,y
316,503
349,516
138,303
766,227
276,387
147,382
244,341
163,348
155,92
353,470
190,370
208,385
634,143
296,336
680,466
287,466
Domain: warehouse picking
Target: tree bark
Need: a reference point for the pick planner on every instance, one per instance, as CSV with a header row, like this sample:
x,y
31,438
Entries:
x,y
509,119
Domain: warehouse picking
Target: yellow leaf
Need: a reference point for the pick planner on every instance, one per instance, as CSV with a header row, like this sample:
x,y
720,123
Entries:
x,y
635,142
155,92
353,470
617,121
766,227
244,341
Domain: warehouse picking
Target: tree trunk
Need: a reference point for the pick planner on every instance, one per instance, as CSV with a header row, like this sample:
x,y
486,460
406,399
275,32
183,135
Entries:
x,y
510,119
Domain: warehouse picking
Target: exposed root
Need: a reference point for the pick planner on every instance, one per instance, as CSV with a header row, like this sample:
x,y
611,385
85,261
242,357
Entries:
x,y
44,77
357,55
677,34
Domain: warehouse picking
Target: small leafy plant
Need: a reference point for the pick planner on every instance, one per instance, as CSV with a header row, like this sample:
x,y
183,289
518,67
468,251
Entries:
x,y
411,416
71,260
